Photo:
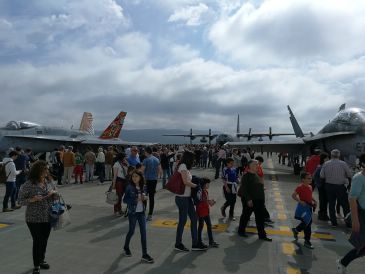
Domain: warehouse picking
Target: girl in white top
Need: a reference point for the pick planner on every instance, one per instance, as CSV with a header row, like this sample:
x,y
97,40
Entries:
x,y
119,181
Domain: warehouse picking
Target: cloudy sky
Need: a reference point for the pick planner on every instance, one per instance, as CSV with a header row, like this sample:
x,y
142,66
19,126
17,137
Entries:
x,y
181,63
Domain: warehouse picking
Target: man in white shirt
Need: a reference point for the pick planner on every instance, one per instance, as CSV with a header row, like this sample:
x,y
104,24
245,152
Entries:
x,y
11,173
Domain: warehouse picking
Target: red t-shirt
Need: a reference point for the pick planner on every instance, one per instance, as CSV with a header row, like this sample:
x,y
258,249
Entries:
x,y
312,163
305,193
202,208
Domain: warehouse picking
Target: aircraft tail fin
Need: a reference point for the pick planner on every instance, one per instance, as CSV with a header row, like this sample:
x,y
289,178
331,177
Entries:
x,y
342,107
238,124
86,124
115,127
297,130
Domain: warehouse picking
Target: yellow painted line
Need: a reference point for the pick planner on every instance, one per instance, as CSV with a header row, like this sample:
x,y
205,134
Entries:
x,y
291,270
173,224
275,189
279,207
3,225
277,194
282,216
288,249
284,228
286,233
277,199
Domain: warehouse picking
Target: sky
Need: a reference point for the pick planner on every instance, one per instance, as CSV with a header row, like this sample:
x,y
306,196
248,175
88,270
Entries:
x,y
181,63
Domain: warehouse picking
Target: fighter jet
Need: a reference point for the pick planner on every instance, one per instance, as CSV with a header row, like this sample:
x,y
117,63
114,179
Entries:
x,y
45,138
346,132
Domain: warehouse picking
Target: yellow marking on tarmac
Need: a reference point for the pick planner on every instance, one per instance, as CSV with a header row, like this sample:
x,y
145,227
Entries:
x,y
279,207
277,194
291,270
284,228
278,199
173,224
275,189
288,249
3,225
285,233
282,216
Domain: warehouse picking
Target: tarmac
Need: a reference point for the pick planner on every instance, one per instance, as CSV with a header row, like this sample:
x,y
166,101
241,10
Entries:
x,y
93,243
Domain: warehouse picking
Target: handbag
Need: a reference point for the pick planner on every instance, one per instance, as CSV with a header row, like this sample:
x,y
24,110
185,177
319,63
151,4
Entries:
x,y
63,218
175,184
111,197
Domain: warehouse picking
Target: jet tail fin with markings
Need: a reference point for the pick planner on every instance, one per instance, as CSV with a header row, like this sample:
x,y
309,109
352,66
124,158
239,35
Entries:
x,y
86,124
297,130
114,129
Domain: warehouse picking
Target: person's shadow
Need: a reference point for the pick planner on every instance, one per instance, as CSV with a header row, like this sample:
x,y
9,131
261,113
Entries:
x,y
234,255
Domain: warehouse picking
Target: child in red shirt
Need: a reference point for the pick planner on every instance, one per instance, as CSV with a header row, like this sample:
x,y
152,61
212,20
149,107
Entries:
x,y
202,210
303,195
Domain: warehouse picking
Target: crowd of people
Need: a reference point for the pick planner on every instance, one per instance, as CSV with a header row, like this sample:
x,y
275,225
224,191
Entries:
x,y
134,174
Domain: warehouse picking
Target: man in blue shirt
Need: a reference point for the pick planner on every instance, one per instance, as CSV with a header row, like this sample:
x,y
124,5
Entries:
x,y
152,170
21,164
357,205
133,158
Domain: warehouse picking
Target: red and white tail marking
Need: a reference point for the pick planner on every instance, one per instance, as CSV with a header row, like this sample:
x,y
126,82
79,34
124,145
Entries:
x,y
87,123
114,129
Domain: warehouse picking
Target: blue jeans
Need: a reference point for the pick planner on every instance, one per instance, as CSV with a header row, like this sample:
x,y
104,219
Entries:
x,y
133,218
20,179
166,174
186,207
9,193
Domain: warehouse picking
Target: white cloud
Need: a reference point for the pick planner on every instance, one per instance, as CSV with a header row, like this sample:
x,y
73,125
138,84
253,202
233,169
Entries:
x,y
285,32
86,20
191,15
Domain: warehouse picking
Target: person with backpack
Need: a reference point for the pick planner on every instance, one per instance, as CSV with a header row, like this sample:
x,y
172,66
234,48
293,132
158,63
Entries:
x,y
9,174
202,210
185,205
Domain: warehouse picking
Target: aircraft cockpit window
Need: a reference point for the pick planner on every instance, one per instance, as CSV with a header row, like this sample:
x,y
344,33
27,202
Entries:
x,y
12,125
342,117
25,125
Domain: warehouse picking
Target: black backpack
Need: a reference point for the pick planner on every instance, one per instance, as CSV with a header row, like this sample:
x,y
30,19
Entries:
x,y
196,193
3,176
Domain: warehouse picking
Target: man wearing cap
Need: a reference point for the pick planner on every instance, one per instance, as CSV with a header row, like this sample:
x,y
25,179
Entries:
x,y
336,174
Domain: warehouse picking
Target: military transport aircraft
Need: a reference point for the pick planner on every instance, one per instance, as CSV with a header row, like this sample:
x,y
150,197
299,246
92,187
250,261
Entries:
x,y
345,132
45,138
223,138
205,138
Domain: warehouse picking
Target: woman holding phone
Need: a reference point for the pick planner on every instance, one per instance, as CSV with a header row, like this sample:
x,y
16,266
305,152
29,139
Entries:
x,y
38,194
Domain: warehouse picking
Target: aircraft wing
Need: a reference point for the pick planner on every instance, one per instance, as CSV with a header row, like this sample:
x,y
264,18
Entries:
x,y
293,145
181,135
47,138
328,135
114,141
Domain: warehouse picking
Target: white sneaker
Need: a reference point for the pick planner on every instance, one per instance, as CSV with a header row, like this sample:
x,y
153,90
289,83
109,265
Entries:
x,y
341,269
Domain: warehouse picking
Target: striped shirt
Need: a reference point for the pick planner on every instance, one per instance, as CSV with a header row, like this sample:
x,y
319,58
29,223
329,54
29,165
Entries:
x,y
335,172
